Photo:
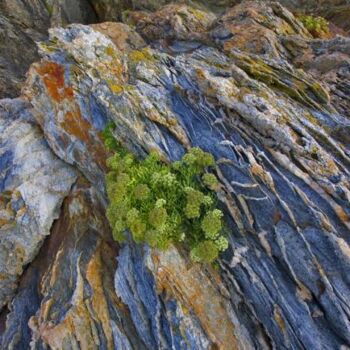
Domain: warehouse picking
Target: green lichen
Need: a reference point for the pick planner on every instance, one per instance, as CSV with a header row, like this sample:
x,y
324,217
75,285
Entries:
x,y
318,27
163,204
294,85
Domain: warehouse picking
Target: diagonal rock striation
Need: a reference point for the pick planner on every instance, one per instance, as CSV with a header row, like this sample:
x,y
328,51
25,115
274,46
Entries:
x,y
252,88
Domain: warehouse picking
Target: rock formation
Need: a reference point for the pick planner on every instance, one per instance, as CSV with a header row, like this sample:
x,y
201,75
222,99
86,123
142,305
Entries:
x,y
22,24
250,86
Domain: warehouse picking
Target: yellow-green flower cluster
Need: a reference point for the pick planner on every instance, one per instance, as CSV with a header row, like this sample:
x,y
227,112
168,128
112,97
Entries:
x,y
211,224
211,181
164,204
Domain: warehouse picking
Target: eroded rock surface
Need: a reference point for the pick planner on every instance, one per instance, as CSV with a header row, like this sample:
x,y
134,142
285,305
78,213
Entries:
x,y
22,24
33,184
271,104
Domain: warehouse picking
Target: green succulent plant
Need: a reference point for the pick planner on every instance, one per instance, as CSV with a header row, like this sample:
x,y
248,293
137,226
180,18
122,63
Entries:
x,y
163,204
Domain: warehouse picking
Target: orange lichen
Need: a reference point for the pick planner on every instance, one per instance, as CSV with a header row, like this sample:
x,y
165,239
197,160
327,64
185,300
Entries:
x,y
73,122
196,292
342,214
3,222
53,78
99,302
75,125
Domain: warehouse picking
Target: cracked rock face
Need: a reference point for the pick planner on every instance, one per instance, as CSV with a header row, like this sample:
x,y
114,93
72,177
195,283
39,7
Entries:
x,y
34,183
249,86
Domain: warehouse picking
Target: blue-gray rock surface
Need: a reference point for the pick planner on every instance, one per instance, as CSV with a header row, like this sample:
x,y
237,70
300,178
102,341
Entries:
x,y
253,88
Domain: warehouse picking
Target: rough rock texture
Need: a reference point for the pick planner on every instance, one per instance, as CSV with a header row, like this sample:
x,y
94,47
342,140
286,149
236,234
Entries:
x,y
33,184
337,11
251,87
71,285
111,10
12,65
22,23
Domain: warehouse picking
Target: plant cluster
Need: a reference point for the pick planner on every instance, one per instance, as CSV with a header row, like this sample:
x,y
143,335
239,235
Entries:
x,y
317,26
162,204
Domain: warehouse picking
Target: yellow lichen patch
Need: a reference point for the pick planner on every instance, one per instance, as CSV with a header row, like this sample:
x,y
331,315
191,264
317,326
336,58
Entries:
x,y
117,89
323,166
110,51
195,291
320,92
140,55
313,120
199,15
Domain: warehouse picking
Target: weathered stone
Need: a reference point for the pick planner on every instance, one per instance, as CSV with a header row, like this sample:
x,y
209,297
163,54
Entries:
x,y
278,134
25,22
172,22
33,184
113,10
328,61
122,36
162,290
256,28
71,284
336,11
12,65
22,23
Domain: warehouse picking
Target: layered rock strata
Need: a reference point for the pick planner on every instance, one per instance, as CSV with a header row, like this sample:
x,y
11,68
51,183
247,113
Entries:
x,y
252,88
